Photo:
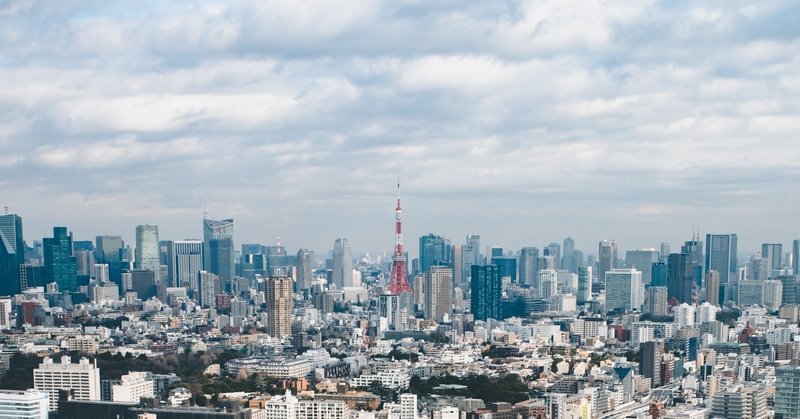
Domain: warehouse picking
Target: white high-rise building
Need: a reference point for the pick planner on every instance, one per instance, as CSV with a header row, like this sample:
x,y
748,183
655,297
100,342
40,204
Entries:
x,y
408,406
100,273
82,378
624,289
133,386
185,261
772,296
684,315
547,283
29,404
389,308
5,313
706,312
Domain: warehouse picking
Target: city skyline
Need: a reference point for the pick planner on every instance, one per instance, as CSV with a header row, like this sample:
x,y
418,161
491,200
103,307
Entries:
x,y
629,122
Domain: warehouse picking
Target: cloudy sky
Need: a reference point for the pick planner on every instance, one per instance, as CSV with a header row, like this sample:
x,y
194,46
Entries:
x,y
522,121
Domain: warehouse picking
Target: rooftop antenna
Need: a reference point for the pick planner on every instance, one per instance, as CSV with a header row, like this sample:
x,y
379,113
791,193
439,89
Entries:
x,y
279,240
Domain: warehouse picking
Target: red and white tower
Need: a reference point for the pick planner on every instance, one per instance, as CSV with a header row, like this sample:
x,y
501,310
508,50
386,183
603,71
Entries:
x,y
398,283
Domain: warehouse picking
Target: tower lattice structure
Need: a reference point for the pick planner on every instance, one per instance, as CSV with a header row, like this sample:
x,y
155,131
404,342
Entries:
x,y
399,281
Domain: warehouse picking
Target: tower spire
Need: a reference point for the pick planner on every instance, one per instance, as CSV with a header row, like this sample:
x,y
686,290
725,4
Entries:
x,y
399,282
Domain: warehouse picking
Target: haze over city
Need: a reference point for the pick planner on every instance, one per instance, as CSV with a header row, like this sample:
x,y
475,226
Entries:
x,y
522,122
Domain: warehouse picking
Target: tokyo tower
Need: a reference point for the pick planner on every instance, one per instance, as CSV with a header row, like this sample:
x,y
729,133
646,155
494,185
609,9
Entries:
x,y
398,283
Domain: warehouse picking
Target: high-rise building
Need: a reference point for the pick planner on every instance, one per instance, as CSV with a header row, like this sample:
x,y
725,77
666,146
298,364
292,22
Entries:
x,y
218,250
554,250
659,273
28,404
606,258
546,283
584,284
389,308
59,262
657,301
438,292
790,285
433,251
796,257
568,261
650,362
457,264
486,292
279,304
133,386
772,295
184,261
694,248
474,241
787,392
624,289
507,266
680,280
664,251
277,256
773,253
304,269
82,378
750,293
527,265
342,264
148,255
746,402
721,256
712,287
108,250
642,260
12,253
208,286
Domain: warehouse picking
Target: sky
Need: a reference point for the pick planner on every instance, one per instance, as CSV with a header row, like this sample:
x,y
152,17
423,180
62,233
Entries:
x,y
522,121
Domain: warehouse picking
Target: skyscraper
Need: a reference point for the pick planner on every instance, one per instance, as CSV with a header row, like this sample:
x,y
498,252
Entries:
x,y
658,273
712,288
279,304
680,281
546,283
277,256
83,378
218,250
606,258
568,261
527,265
304,269
642,260
650,362
147,249
796,257
694,248
107,250
721,256
487,291
209,287
624,289
185,260
584,284
59,263
12,253
773,252
433,251
438,292
554,250
389,308
342,264
657,301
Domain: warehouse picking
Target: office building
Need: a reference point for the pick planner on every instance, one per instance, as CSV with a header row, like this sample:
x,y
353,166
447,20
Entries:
x,y
304,269
108,251
389,308
433,251
772,295
148,251
438,293
657,301
132,387
279,304
650,362
606,258
457,264
721,257
12,253
218,250
546,283
82,378
28,404
773,253
750,293
569,261
584,284
789,289
209,286
642,260
486,292
658,272
527,265
787,392
712,286
185,260
796,257
694,248
680,279
59,262
342,260
624,290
